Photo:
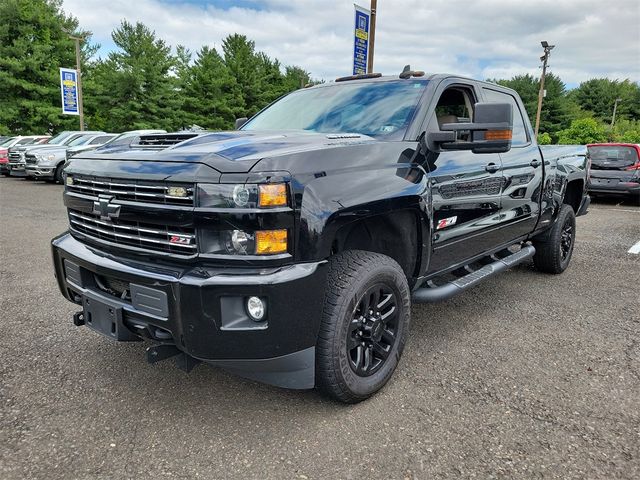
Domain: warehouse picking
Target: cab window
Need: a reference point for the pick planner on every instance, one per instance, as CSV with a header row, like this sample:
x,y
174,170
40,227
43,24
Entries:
x,y
455,105
519,130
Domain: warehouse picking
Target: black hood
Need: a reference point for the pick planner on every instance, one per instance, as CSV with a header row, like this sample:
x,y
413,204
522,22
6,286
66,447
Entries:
x,y
236,151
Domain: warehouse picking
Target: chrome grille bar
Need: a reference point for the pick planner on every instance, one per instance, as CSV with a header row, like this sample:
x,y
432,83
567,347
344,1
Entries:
x,y
144,193
150,237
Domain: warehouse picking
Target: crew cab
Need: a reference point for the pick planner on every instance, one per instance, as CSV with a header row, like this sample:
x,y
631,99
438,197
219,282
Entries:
x,y
290,251
615,169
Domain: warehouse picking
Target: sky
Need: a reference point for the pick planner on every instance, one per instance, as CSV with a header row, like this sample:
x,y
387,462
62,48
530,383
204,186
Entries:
x,y
477,38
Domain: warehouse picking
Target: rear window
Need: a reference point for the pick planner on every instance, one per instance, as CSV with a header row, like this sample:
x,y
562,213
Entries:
x,y
612,157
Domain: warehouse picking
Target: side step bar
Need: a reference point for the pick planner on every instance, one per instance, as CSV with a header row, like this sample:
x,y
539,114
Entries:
x,y
445,292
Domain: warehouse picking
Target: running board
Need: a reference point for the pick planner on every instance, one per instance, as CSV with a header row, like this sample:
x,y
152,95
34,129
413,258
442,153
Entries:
x,y
445,292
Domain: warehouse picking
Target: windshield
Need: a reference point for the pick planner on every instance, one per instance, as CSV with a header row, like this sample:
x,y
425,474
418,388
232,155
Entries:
x,y
58,139
612,157
371,108
7,143
81,140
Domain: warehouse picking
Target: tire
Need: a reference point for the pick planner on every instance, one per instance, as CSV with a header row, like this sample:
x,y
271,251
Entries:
x,y
57,177
357,283
554,254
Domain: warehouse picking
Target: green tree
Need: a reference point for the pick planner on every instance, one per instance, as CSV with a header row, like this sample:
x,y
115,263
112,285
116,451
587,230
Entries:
x,y
544,139
212,98
136,86
557,109
242,63
626,131
598,96
583,131
34,44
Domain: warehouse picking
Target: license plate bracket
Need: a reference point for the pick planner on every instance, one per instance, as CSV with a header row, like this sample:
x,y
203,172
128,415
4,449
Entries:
x,y
105,317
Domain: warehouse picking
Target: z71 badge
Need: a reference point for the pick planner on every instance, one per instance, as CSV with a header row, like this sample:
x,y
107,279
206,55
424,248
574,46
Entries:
x,y
446,222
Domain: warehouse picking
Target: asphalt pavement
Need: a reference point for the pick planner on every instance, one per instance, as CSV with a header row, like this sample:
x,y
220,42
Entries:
x,y
525,376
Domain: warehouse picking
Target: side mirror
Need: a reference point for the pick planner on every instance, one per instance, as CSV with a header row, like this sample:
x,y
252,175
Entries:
x,y
240,122
490,131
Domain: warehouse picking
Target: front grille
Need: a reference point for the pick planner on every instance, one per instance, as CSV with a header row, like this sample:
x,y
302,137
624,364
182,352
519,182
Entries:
x,y
30,159
150,237
144,192
15,157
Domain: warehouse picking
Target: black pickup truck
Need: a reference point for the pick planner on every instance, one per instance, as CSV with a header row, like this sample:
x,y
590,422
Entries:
x,y
290,251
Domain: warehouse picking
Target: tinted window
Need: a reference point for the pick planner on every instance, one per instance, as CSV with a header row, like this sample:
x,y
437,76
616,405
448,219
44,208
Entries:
x,y
519,130
367,108
99,140
612,157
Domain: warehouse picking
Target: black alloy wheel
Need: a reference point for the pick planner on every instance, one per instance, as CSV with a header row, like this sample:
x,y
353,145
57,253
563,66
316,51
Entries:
x,y
364,325
373,330
566,239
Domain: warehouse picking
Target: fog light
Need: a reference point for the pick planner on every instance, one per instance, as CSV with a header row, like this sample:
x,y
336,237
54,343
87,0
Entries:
x,y
256,309
69,181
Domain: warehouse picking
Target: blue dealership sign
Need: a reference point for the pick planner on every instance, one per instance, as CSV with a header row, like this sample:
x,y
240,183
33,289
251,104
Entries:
x,y
361,40
69,91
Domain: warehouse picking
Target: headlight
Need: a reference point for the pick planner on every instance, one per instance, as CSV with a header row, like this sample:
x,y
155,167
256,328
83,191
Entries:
x,y
240,242
266,195
45,158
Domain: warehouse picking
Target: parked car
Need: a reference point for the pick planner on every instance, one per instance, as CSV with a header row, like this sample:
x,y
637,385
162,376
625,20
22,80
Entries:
x,y
97,142
17,155
17,141
47,164
615,169
290,251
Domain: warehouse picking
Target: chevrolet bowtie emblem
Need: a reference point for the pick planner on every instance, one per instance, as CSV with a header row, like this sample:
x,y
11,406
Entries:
x,y
105,209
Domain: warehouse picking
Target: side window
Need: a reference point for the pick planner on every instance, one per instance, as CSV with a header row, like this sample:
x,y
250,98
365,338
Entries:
x,y
455,105
519,130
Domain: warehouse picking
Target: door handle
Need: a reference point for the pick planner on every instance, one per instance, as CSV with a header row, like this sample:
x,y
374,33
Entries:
x,y
535,163
492,167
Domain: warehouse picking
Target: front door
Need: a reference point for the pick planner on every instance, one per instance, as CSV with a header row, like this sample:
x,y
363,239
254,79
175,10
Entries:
x,y
465,186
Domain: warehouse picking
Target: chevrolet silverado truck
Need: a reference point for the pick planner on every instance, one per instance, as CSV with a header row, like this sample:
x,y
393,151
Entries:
x,y
290,250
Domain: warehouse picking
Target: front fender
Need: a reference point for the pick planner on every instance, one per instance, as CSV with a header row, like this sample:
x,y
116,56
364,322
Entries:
x,y
333,201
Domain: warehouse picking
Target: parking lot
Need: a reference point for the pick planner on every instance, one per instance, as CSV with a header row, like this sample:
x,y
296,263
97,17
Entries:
x,y
526,375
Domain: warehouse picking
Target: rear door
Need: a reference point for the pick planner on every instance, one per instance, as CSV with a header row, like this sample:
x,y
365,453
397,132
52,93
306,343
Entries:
x,y
523,171
465,186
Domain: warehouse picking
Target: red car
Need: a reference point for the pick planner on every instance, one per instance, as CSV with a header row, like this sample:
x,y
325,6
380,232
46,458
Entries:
x,y
615,169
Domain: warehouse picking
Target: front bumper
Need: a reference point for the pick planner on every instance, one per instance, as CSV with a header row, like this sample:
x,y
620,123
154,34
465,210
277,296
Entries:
x,y
17,169
37,171
201,310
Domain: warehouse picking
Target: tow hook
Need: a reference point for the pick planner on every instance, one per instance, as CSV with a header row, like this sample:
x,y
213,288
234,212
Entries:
x,y
78,319
184,362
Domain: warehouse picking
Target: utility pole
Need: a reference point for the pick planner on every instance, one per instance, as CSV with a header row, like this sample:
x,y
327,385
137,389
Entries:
x,y
372,35
544,58
615,107
79,79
